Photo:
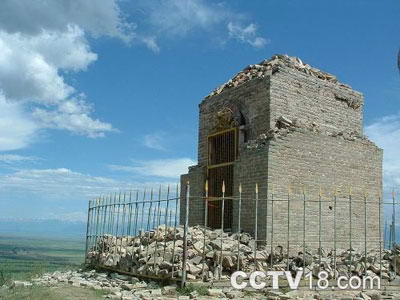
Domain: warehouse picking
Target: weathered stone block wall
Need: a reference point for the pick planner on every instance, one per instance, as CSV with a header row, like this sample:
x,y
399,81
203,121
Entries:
x,y
313,102
250,168
303,159
319,145
196,177
251,99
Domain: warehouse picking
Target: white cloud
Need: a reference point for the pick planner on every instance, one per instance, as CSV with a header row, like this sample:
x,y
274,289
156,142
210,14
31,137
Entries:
x,y
176,18
74,116
31,17
39,42
64,184
385,132
246,34
60,182
154,141
39,58
18,130
15,158
168,168
151,43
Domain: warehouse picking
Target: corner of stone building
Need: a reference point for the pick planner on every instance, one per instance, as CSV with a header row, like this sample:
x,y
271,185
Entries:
x,y
195,178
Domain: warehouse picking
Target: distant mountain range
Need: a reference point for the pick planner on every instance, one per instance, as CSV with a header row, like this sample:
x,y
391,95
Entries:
x,y
43,228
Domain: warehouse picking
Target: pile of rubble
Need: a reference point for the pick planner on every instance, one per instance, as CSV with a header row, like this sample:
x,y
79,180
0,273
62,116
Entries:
x,y
216,255
115,286
284,126
267,66
124,287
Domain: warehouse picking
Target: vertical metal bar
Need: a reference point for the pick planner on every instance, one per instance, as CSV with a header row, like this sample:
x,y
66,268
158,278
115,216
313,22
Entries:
x,y
185,232
365,233
304,231
175,224
104,208
97,223
114,208
117,221
159,207
92,223
288,228
142,211
385,235
110,215
149,214
148,223
394,239
256,229
380,236
205,229
166,223
123,221
135,227
266,219
157,229
155,214
222,226
334,233
93,238
350,229
130,206
87,231
320,223
272,226
239,225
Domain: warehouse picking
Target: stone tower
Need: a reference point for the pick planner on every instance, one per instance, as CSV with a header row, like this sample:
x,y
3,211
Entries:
x,y
294,130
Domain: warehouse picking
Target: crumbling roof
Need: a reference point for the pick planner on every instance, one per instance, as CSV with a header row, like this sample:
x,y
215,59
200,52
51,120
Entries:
x,y
266,66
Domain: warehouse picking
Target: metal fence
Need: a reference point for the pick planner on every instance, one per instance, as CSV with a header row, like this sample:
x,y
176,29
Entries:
x,y
143,234
130,214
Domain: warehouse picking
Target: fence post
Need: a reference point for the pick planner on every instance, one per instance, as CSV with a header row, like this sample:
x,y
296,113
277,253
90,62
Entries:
x,y
177,198
365,232
394,238
380,236
205,229
319,225
334,233
185,232
87,231
256,229
239,224
350,227
166,223
288,227
272,226
304,231
222,228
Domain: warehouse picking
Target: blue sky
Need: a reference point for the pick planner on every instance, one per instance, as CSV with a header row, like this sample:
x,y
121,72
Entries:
x,y
98,98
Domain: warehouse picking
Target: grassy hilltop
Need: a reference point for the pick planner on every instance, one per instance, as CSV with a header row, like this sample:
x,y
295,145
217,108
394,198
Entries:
x,y
24,257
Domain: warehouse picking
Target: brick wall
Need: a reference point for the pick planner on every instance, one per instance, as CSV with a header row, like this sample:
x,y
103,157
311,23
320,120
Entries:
x,y
251,99
297,95
313,154
196,178
313,161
